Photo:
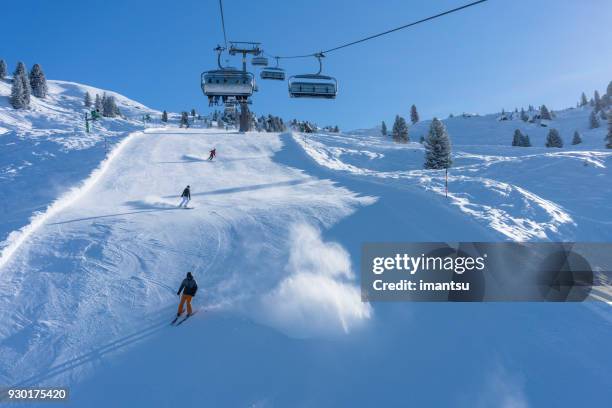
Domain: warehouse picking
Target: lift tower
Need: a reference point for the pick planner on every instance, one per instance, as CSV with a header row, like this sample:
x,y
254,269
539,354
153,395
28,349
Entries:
x,y
244,48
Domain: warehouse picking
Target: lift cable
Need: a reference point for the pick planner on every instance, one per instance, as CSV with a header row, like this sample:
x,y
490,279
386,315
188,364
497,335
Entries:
x,y
223,22
314,54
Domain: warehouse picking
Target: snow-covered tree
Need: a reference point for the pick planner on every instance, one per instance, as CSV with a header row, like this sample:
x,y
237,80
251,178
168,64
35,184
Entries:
x,y
554,139
609,135
98,104
336,129
400,130
545,113
109,106
608,100
583,100
520,139
517,139
164,117
383,128
593,120
20,69
524,116
602,114
22,75
525,141
18,97
3,69
38,81
576,139
597,101
437,147
414,114
87,100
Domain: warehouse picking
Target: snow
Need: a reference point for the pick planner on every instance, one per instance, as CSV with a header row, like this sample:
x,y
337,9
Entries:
x,y
89,270
46,151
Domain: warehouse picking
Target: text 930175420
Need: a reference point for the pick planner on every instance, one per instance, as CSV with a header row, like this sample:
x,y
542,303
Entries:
x,y
30,394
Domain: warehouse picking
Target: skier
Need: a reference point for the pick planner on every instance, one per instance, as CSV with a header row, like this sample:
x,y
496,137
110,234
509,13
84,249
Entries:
x,y
213,154
189,288
186,196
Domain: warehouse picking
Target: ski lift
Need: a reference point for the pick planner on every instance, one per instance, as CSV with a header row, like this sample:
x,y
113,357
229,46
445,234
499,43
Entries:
x,y
259,61
313,85
226,82
274,73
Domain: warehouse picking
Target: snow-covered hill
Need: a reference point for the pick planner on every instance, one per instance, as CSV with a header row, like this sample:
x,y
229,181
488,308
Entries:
x,y
45,150
274,235
523,193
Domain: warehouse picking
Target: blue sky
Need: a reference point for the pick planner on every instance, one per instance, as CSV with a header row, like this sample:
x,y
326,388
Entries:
x,y
502,54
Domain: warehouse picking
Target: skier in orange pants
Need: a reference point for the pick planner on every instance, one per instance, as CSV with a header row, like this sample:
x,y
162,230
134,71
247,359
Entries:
x,y
189,287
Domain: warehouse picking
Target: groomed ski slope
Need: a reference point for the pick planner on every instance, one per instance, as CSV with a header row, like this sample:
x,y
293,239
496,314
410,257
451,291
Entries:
x,y
273,239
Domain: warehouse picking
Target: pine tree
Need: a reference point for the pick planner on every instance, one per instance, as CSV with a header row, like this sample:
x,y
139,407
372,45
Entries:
x,y
383,128
608,138
3,69
109,107
18,99
525,141
164,117
98,104
414,114
593,120
597,101
38,81
87,100
20,69
554,139
583,100
437,147
524,116
608,99
193,112
22,75
400,130
517,140
544,113
577,139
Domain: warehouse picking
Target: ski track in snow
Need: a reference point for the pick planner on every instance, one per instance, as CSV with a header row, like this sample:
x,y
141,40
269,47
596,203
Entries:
x,y
105,259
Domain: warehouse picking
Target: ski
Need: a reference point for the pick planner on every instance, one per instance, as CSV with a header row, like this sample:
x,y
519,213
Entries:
x,y
185,318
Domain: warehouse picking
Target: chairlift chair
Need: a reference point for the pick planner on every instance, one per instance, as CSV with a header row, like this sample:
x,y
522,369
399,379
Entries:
x,y
313,85
259,61
226,83
273,73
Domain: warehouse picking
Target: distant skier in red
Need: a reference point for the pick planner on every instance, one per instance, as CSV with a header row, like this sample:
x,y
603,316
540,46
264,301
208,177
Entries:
x,y
213,154
189,287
